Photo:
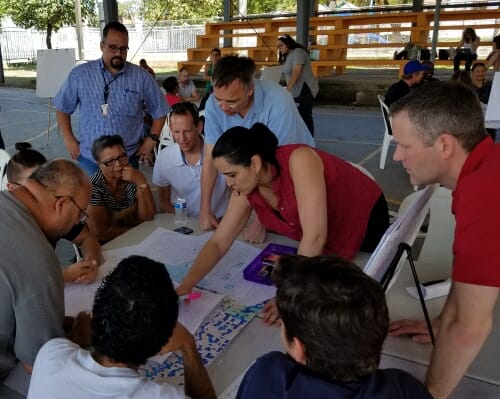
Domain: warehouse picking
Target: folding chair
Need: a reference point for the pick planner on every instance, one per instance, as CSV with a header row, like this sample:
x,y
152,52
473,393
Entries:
x,y
4,160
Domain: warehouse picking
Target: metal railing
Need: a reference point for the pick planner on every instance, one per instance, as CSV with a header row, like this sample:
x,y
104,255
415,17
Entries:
x,y
21,45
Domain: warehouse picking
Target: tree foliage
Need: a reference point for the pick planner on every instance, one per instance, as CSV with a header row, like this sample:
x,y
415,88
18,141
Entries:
x,y
161,10
48,15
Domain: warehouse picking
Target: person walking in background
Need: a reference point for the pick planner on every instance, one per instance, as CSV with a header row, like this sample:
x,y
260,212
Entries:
x,y
111,94
466,49
300,81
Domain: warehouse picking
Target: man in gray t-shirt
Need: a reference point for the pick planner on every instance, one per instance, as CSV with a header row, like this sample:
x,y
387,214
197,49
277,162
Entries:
x,y
41,211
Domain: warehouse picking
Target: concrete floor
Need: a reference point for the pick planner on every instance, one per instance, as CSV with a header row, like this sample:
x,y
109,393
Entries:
x,y
352,133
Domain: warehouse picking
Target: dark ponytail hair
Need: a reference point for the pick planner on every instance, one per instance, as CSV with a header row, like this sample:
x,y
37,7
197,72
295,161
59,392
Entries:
x,y
24,158
238,145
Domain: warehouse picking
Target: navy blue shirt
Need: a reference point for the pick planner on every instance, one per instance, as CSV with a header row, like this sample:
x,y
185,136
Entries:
x,y
278,376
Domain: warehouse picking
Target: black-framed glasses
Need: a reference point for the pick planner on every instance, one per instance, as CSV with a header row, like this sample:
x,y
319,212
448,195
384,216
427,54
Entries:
x,y
114,48
111,162
82,216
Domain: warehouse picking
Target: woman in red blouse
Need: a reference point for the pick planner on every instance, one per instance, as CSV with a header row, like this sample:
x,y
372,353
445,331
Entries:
x,y
303,193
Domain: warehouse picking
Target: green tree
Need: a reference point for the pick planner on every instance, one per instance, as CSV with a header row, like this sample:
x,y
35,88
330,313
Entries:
x,y
48,15
154,10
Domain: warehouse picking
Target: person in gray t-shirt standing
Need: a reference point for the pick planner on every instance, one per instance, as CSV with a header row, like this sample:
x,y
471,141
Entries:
x,y
300,81
33,215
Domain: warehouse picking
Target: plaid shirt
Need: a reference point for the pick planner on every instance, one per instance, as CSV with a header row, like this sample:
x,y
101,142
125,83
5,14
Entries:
x,y
129,90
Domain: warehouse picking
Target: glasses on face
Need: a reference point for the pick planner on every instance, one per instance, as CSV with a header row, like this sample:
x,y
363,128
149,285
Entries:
x,y
115,49
82,216
231,105
123,158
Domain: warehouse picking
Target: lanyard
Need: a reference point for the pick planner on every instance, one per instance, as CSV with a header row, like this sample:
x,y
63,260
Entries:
x,y
106,86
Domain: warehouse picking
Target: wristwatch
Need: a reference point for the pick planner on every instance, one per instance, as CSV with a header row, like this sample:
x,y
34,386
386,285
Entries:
x,y
154,137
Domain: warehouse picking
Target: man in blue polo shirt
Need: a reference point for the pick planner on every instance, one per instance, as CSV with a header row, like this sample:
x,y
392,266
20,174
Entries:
x,y
111,93
239,100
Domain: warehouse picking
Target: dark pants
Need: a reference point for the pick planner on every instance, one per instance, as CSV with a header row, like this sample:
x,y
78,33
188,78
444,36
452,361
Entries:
x,y
305,107
377,225
468,57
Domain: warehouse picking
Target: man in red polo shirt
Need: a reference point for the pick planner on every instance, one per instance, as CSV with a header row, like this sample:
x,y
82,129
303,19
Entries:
x,y
441,138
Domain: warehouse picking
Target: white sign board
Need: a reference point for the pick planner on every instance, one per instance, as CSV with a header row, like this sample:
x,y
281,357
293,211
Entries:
x,y
53,66
493,108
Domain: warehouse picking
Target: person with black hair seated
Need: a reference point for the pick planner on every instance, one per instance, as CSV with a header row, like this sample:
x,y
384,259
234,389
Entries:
x,y
322,201
134,317
334,323
20,167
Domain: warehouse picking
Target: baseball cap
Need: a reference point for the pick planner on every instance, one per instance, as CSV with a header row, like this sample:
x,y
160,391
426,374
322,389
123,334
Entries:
x,y
414,66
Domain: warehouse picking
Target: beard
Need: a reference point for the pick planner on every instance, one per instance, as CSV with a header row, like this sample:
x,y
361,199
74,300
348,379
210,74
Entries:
x,y
117,62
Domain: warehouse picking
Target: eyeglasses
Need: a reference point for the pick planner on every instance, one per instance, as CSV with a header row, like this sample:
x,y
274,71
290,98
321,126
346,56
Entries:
x,y
82,216
114,49
232,105
111,162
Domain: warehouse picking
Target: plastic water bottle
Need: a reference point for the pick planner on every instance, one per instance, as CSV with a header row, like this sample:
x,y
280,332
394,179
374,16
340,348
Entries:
x,y
180,211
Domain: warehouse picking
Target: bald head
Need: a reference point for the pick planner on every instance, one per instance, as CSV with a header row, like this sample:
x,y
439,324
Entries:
x,y
61,177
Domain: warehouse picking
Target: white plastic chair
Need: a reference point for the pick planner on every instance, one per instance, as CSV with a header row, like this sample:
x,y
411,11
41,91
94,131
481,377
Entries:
x,y
166,138
438,243
272,73
388,131
4,160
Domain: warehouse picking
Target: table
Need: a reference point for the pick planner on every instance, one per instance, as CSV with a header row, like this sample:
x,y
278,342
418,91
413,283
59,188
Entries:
x,y
256,338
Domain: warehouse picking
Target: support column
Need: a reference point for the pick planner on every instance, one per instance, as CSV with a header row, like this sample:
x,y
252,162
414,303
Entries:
x,y
304,12
228,13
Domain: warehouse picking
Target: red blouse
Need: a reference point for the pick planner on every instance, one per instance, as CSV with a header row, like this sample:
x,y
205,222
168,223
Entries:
x,y
351,196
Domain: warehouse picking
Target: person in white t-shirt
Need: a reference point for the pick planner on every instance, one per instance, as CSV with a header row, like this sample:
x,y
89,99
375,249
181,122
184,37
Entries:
x,y
177,170
133,318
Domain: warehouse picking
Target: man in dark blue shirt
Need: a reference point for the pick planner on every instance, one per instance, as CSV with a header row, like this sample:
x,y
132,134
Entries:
x,y
334,322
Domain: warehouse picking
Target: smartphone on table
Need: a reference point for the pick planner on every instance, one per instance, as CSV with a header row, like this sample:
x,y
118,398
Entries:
x,y
183,230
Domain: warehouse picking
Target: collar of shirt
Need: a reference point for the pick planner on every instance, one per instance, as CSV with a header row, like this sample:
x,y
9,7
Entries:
x,y
180,160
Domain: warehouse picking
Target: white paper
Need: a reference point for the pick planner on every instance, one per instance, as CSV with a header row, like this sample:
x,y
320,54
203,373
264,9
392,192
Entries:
x,y
431,291
178,251
80,297
403,230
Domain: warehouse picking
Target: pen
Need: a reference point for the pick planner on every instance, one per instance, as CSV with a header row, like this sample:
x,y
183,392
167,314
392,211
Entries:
x,y
78,253
191,296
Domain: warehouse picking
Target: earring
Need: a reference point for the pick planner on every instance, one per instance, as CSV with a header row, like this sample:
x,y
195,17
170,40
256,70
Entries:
x,y
256,179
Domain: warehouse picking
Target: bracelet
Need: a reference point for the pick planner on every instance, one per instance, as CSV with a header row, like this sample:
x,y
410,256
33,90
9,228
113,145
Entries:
x,y
143,185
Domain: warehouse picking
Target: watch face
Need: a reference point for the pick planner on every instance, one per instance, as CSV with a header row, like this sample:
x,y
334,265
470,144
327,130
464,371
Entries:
x,y
154,137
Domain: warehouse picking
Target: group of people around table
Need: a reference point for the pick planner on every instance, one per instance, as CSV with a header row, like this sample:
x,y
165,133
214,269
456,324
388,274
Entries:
x,y
333,317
